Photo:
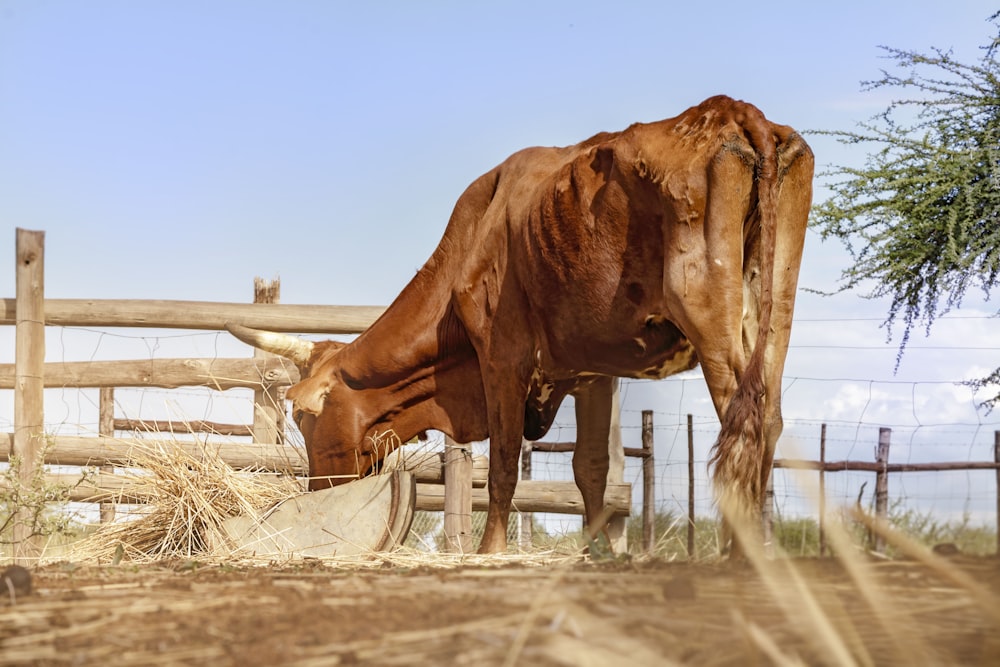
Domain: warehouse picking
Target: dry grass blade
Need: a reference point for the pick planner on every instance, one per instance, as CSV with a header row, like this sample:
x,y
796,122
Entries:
x,y
524,629
764,642
909,646
894,619
798,602
990,603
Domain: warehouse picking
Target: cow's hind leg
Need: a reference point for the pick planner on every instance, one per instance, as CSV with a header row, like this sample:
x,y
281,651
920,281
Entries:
x,y
717,310
796,161
501,484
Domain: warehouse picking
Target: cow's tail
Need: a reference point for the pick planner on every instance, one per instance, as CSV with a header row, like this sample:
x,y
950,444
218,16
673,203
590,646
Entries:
x,y
738,455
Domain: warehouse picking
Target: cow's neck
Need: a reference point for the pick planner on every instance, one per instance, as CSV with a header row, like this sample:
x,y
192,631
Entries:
x,y
416,367
403,342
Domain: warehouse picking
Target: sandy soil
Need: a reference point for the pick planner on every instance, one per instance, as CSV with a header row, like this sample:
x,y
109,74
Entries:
x,y
637,613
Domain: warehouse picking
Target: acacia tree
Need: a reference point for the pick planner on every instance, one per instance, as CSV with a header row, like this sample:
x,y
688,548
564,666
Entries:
x,y
921,219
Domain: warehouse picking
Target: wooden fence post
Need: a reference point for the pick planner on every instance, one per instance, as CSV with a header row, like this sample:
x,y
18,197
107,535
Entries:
x,y
526,519
648,483
767,514
690,522
106,427
29,383
457,497
996,458
882,483
268,406
822,490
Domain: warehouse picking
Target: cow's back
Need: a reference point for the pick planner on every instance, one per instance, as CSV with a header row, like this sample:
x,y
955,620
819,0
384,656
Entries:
x,y
587,231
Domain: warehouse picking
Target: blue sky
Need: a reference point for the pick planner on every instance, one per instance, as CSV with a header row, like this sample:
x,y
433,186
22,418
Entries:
x,y
174,150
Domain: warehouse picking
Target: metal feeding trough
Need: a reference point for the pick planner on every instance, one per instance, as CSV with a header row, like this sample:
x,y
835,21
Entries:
x,y
366,515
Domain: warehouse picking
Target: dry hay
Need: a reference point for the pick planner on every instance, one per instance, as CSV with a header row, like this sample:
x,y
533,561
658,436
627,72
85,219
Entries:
x,y
186,497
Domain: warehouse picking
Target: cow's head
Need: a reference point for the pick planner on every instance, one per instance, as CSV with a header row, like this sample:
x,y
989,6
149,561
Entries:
x,y
326,410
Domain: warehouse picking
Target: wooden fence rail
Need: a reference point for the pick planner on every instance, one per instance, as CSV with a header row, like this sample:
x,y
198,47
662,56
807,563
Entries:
x,y
882,469
221,374
265,374
876,467
200,315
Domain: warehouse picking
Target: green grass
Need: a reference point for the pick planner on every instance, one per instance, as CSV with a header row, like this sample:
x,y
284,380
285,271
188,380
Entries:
x,y
799,536
971,539
796,536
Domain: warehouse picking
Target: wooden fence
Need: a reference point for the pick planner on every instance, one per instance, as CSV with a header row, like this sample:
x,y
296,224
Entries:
x,y
464,479
882,469
462,476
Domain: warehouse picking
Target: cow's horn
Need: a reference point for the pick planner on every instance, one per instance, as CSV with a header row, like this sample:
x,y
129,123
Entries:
x,y
285,345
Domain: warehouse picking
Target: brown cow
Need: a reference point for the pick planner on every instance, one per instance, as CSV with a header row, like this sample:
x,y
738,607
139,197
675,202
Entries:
x,y
637,253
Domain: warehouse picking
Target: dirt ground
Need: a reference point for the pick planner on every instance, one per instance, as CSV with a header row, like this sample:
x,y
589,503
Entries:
x,y
636,613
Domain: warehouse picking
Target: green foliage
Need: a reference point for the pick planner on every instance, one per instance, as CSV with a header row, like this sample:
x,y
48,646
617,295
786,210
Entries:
x,y
921,220
971,540
796,536
427,532
799,536
670,532
35,503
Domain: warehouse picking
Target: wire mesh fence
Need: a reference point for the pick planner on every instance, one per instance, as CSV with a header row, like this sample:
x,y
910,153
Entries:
x,y
931,421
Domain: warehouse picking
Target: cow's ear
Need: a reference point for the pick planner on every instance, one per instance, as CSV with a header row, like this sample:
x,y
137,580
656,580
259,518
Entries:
x,y
323,352
309,395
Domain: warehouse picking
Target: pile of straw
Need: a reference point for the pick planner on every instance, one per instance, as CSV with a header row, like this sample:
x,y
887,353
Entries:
x,y
187,497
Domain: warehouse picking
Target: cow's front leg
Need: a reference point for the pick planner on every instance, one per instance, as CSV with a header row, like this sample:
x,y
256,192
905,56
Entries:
x,y
490,315
505,397
502,482
591,456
